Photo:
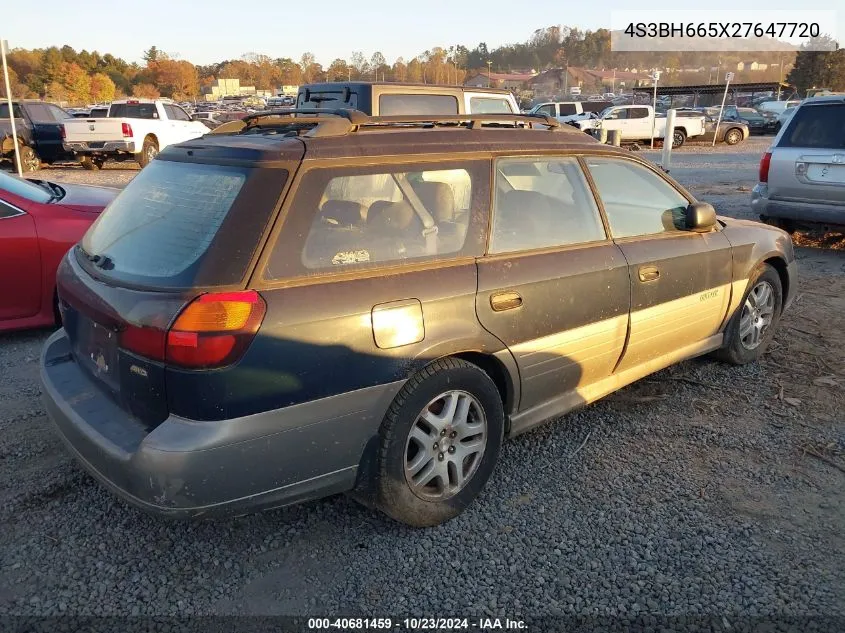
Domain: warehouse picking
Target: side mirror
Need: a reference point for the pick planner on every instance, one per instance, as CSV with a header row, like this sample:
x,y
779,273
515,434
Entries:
x,y
700,217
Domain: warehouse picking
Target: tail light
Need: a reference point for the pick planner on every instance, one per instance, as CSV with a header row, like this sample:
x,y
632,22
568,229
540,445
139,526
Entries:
x,y
765,163
63,132
212,331
127,130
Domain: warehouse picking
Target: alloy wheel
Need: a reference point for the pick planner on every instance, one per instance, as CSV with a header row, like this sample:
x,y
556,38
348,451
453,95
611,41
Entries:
x,y
445,445
757,314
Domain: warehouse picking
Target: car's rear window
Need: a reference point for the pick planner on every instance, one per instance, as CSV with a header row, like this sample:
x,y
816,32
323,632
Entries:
x,y
817,126
133,111
168,227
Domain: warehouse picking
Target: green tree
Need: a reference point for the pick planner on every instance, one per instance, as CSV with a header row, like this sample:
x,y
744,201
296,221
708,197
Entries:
x,y
818,69
152,54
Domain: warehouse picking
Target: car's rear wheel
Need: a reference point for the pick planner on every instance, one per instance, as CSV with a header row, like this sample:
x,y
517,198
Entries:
x,y
149,151
679,137
440,441
90,164
733,136
753,325
30,160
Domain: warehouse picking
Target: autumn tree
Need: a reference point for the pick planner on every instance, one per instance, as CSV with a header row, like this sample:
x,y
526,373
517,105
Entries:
x,y
338,70
415,74
400,70
360,64
77,83
102,88
145,91
176,79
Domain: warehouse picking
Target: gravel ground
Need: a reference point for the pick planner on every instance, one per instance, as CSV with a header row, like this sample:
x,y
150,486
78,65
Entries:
x,y
702,490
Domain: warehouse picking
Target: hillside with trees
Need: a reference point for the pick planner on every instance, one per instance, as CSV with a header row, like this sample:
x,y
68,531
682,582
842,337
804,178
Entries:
x,y
65,75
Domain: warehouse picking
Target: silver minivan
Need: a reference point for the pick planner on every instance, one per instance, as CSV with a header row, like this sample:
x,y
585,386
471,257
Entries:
x,y
802,175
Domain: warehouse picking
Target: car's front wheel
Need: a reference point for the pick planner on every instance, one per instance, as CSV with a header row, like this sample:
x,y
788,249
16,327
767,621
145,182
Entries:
x,y
440,441
753,325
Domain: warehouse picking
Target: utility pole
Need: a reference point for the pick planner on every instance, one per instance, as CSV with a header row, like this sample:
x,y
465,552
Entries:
x,y
3,46
489,65
655,75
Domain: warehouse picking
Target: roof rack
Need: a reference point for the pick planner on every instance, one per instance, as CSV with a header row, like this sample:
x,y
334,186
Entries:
x,y
320,122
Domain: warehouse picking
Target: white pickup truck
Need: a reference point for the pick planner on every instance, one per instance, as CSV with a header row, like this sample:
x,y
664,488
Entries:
x,y
569,111
134,129
638,123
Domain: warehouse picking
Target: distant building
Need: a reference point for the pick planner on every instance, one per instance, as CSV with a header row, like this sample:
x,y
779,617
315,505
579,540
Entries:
x,y
499,80
749,66
558,81
287,91
221,88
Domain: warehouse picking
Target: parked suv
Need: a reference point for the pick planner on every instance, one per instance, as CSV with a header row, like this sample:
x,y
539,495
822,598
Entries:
x,y
389,99
310,305
802,175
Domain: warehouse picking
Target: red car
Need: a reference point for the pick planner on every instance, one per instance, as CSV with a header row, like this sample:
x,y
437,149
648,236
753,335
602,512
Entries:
x,y
39,222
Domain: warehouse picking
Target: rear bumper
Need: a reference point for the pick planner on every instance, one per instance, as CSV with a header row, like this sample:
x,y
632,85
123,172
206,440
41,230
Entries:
x,y
823,213
82,147
185,468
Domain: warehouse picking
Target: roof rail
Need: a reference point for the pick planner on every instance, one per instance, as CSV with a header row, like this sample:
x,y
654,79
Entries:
x,y
341,122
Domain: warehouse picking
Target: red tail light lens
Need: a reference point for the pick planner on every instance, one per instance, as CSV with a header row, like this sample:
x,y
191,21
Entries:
x,y
127,130
62,132
215,329
212,331
765,163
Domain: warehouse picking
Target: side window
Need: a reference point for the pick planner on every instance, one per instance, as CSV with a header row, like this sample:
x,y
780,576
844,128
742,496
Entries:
x,y
618,114
489,105
638,113
59,114
397,104
567,109
542,202
170,111
179,114
8,211
549,109
360,217
636,200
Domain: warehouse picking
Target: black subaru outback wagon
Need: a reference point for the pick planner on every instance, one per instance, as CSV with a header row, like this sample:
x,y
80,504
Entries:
x,y
302,306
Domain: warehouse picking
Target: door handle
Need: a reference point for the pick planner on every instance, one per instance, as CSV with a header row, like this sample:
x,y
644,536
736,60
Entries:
x,y
649,273
507,300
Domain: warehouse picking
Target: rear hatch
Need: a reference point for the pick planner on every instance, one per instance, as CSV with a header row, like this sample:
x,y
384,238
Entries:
x,y
808,161
173,250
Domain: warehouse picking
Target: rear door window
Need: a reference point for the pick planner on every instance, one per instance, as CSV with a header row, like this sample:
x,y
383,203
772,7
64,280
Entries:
x,y
817,126
328,100
172,225
346,219
397,104
568,109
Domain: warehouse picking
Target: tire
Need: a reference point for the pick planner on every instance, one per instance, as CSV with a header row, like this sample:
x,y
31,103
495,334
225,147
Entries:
x,y
149,150
746,342
405,439
90,164
679,137
733,136
29,159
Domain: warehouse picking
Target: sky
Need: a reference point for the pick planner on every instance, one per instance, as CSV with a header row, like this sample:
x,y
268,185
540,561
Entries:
x,y
206,31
